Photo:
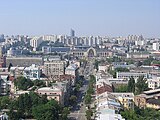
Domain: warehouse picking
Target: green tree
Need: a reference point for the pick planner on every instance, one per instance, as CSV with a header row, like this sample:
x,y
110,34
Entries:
x,y
131,85
22,83
89,114
65,113
4,102
39,83
73,99
141,85
121,88
87,98
48,111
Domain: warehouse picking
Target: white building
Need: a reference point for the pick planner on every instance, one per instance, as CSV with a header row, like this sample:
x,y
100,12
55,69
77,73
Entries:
x,y
35,42
156,46
33,72
49,38
128,75
153,83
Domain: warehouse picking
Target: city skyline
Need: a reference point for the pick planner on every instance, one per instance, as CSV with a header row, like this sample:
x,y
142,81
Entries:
x,y
104,18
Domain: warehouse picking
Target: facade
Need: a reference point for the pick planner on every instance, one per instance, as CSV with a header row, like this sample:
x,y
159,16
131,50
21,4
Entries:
x,y
156,46
4,84
23,61
153,83
128,75
16,71
35,42
53,92
92,52
53,69
33,72
72,34
148,99
138,55
103,67
126,99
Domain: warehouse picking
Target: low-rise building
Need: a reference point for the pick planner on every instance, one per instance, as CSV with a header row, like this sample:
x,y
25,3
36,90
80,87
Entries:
x,y
148,99
128,75
53,92
126,99
32,72
153,83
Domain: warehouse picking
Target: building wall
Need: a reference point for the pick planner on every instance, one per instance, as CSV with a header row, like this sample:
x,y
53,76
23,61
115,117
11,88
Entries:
x,y
54,68
140,101
24,61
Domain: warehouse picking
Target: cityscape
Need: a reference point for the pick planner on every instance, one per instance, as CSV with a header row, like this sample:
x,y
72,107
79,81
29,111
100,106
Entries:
x,y
76,76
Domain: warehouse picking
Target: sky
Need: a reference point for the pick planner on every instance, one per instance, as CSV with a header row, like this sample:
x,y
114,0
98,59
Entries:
x,y
86,17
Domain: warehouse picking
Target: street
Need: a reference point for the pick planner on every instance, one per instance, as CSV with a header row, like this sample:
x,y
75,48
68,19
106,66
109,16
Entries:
x,y
79,111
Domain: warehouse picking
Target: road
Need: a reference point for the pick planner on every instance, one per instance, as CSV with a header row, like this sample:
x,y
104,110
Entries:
x,y
78,112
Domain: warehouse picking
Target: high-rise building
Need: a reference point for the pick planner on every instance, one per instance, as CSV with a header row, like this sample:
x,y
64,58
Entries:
x,y
156,46
72,34
35,42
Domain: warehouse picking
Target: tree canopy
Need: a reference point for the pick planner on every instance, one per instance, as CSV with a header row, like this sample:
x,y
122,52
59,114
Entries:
x,y
22,83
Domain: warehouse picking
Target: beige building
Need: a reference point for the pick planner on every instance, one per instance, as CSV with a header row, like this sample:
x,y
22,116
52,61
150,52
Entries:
x,y
53,69
92,52
53,92
126,99
148,99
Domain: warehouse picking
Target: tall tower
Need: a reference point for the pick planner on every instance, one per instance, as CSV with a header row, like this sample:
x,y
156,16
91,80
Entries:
x,y
72,33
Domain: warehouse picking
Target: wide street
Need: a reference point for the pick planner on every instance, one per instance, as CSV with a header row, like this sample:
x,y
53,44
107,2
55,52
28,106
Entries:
x,y
78,112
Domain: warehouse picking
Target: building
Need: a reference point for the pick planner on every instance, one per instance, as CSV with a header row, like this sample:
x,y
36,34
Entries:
x,y
138,55
153,83
128,75
32,72
103,87
4,83
107,107
156,46
126,99
35,42
16,71
149,99
53,69
23,61
91,53
103,67
53,92
72,34
71,69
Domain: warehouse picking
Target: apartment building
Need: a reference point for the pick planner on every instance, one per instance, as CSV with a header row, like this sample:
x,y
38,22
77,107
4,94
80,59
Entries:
x,y
53,69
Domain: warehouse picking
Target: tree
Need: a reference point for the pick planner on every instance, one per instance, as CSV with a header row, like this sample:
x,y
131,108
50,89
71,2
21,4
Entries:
x,y
88,99
65,113
141,85
131,85
121,88
48,111
73,99
4,102
22,83
89,114
39,83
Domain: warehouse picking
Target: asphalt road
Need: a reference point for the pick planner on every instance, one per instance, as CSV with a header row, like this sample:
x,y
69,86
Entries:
x,y
78,112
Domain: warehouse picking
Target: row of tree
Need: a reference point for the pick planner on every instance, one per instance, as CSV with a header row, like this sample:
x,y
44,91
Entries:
x,y
141,114
33,106
137,88
88,96
23,83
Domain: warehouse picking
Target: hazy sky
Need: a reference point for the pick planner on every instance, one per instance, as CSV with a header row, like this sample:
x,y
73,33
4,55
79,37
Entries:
x,y
86,17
